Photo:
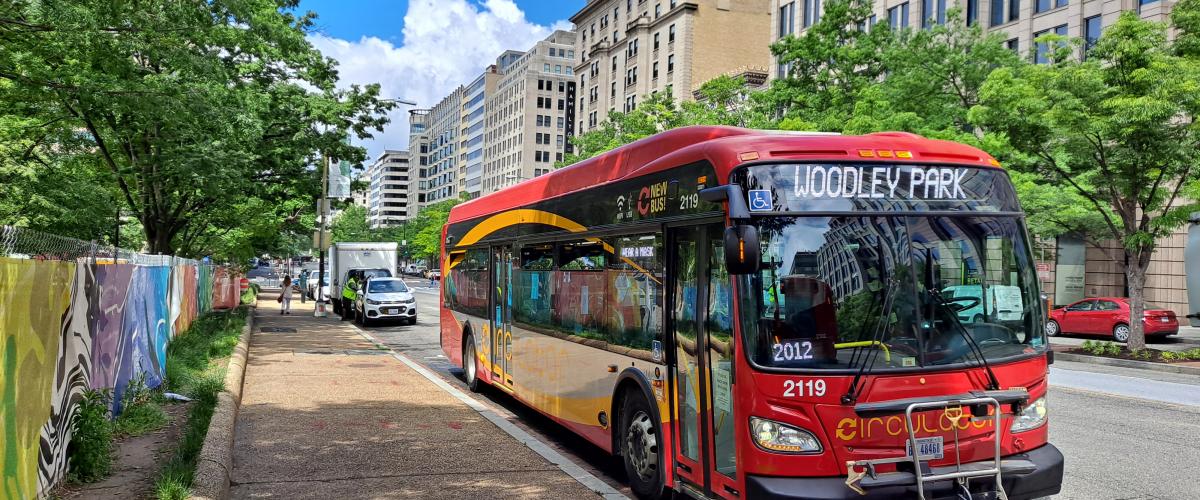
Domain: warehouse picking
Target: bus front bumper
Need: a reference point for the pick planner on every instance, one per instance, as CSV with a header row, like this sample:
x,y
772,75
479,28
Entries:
x,y
1044,480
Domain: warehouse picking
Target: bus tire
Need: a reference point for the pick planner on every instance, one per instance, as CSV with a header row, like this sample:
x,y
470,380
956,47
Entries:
x,y
470,363
640,447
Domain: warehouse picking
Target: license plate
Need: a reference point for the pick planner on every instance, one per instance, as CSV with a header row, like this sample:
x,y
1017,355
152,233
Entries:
x,y
1165,319
930,447
391,311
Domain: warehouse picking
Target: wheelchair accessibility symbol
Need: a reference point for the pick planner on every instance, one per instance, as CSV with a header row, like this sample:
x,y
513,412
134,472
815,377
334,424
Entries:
x,y
760,200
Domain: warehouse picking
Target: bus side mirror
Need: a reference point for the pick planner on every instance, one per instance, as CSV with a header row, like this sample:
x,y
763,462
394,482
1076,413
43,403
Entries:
x,y
742,251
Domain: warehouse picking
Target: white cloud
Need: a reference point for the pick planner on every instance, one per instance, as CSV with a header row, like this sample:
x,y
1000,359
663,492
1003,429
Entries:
x,y
447,43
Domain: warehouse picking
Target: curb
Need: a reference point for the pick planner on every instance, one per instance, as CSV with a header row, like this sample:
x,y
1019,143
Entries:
x,y
215,463
1126,363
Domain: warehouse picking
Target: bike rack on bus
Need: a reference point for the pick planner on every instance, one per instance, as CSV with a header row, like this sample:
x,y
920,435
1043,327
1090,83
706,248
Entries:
x,y
922,472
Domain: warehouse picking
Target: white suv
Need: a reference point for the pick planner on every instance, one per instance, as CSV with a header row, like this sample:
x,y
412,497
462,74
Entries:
x,y
385,298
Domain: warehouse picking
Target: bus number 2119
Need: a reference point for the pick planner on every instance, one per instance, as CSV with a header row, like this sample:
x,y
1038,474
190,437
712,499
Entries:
x,y
803,388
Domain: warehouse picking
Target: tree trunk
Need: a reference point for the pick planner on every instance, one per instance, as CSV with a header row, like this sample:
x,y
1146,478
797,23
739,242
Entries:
x,y
1135,275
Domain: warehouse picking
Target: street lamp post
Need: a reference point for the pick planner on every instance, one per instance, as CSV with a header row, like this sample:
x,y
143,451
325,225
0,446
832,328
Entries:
x,y
323,207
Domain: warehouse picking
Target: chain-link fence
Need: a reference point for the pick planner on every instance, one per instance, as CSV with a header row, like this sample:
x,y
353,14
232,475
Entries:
x,y
21,243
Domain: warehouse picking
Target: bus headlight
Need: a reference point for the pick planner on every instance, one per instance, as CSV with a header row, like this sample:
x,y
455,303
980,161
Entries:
x,y
782,438
1032,417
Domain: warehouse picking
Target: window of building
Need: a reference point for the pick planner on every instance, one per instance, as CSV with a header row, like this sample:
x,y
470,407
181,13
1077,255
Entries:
x,y
670,63
614,63
787,19
1091,33
546,67
1045,5
613,91
1013,44
656,41
933,12
1042,49
561,123
558,67
898,16
654,71
1014,10
657,10
671,34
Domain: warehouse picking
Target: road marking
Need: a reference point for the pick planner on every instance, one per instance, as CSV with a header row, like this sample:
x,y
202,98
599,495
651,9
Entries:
x,y
564,464
1155,390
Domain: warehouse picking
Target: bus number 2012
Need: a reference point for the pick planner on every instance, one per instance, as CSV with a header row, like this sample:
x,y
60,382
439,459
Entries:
x,y
792,351
803,388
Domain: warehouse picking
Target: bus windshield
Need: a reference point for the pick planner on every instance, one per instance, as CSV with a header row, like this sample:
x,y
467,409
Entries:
x,y
891,291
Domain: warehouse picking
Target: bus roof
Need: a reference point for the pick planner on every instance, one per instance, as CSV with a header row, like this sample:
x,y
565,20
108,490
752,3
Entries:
x,y
725,148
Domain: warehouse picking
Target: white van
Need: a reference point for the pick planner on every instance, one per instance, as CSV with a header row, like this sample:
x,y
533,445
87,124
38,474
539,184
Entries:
x,y
1004,302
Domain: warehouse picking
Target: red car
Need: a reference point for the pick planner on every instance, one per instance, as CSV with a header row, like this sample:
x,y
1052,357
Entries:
x,y
1109,316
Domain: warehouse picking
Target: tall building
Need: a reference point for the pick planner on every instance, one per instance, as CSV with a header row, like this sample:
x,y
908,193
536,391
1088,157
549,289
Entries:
x,y
388,195
630,48
530,116
1020,20
471,138
440,179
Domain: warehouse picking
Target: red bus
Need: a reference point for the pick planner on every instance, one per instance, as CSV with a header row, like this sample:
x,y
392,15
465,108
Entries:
x,y
748,314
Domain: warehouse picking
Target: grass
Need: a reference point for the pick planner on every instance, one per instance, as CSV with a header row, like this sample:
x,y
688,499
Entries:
x,y
195,371
141,410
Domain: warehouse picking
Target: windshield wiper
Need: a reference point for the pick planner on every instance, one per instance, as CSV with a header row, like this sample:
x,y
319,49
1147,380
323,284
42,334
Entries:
x,y
993,383
851,395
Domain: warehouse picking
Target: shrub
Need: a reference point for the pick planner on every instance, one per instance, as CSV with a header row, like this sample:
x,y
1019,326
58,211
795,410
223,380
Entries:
x,y
1193,353
90,451
1168,356
140,410
1112,349
1089,346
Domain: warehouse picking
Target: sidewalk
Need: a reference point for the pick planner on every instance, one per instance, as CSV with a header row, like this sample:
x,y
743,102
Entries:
x,y
326,414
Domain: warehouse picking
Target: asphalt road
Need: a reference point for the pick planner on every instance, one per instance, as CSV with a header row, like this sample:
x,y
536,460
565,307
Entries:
x,y
1126,434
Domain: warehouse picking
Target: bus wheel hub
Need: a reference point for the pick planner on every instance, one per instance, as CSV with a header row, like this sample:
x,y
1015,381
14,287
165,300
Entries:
x,y
641,445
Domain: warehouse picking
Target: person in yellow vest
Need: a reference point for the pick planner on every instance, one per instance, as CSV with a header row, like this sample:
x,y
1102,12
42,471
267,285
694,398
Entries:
x,y
349,294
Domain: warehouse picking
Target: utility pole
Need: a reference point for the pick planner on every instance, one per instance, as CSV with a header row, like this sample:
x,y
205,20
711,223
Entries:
x,y
323,207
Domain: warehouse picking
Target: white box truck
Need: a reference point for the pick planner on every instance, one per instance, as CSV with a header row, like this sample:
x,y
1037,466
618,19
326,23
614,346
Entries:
x,y
370,258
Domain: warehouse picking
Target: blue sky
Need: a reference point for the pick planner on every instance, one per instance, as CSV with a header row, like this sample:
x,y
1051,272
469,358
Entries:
x,y
421,50
352,19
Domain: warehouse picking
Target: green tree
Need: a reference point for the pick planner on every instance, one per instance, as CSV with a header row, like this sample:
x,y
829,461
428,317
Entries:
x,y
1117,129
351,225
828,67
426,230
187,106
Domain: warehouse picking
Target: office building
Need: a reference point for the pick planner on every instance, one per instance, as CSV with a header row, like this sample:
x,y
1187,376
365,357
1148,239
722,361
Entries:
x,y
439,178
1021,21
530,116
389,181
471,140
628,49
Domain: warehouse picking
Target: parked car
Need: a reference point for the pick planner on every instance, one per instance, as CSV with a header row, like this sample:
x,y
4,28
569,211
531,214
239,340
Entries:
x,y
1109,316
434,274
311,286
385,298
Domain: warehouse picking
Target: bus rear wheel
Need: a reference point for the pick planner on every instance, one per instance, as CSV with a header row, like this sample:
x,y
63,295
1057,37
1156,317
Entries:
x,y
470,373
640,449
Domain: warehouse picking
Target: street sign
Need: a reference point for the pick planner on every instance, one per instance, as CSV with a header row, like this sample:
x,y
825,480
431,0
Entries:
x,y
316,242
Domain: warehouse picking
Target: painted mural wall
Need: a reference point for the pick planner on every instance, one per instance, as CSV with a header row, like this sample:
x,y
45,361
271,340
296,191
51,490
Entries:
x,y
67,326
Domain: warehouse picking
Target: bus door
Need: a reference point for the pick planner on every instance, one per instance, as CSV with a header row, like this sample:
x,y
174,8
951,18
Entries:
x,y
702,379
501,314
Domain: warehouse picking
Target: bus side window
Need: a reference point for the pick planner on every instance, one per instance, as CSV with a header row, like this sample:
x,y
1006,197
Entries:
x,y
635,291
579,290
533,286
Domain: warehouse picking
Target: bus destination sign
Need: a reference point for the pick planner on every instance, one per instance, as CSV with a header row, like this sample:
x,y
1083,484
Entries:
x,y
859,181
854,187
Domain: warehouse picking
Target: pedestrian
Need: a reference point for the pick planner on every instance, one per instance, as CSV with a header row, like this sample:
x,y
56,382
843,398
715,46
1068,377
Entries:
x,y
303,285
285,296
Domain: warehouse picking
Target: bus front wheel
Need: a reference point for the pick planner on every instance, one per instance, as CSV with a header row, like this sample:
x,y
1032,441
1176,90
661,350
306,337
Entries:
x,y
640,448
470,372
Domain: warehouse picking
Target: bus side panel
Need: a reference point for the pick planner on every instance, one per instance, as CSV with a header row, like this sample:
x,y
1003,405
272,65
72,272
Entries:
x,y
571,383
